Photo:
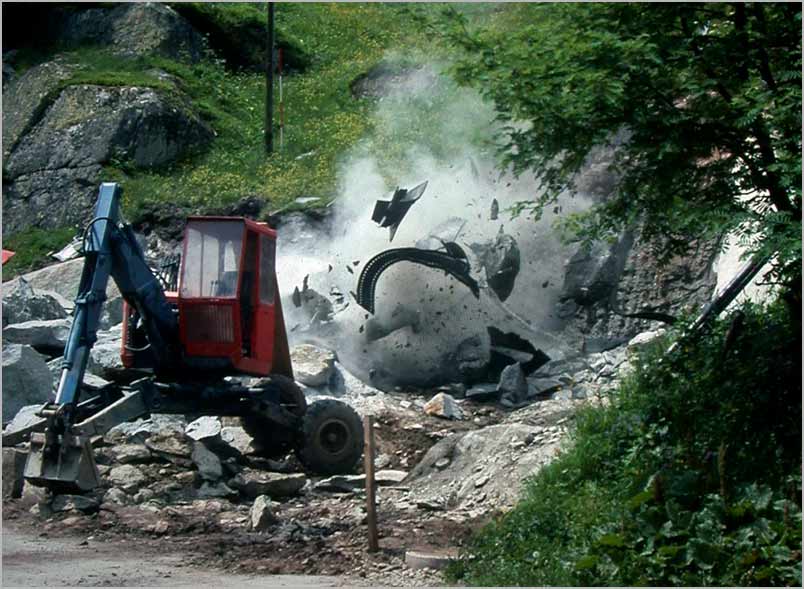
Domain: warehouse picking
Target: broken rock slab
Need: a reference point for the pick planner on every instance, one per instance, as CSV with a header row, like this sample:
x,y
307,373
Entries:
x,y
22,302
263,513
210,490
312,366
513,387
131,454
26,378
171,445
90,380
543,386
139,430
24,418
44,336
13,468
237,439
417,559
641,340
482,392
252,483
444,406
204,428
104,361
350,483
208,464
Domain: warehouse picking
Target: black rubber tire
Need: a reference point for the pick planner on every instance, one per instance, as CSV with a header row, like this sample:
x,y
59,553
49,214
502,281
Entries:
x,y
272,440
331,438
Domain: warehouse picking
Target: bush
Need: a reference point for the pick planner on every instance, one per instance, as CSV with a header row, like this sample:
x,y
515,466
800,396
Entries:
x,y
691,476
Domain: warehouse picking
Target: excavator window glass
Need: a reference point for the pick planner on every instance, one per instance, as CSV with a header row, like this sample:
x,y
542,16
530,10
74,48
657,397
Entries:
x,y
267,253
211,259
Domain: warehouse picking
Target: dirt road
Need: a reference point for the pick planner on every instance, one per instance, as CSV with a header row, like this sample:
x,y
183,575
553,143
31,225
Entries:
x,y
32,560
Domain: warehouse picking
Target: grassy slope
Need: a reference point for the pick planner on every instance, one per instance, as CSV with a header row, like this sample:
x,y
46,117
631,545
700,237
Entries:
x,y
323,121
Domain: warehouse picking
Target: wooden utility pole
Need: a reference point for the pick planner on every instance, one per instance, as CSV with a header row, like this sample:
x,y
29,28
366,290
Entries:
x,y
371,505
269,83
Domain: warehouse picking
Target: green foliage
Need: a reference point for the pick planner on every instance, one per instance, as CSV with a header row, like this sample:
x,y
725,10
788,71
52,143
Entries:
x,y
691,476
702,102
31,248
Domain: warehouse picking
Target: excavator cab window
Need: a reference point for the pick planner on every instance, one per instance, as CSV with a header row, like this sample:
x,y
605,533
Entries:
x,y
212,258
267,269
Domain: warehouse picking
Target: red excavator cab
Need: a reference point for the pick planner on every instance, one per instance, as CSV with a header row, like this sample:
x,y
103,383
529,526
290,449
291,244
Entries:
x,y
228,296
230,315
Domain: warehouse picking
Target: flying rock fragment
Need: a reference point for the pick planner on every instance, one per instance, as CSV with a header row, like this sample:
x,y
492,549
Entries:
x,y
389,213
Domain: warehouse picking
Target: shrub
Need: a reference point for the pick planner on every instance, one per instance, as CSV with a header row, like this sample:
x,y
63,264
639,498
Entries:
x,y
691,476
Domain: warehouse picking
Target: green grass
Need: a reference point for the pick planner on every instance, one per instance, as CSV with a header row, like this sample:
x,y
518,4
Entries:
x,y
325,124
691,476
31,248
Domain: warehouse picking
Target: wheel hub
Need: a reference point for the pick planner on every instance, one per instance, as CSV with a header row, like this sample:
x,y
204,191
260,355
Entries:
x,y
333,436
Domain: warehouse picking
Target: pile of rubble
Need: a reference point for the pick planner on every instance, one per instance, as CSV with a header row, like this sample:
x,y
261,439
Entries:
x,y
448,457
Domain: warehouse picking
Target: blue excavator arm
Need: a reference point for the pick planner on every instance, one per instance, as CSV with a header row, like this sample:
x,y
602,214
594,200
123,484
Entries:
x,y
61,457
112,250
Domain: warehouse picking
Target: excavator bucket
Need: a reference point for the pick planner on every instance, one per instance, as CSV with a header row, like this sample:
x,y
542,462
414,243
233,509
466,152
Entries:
x,y
68,468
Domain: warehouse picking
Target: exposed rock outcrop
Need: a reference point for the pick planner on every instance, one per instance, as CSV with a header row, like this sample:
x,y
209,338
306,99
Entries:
x,y
139,28
604,285
54,169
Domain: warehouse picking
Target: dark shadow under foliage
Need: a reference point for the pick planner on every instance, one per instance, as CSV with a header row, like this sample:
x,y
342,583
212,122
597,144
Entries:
x,y
691,476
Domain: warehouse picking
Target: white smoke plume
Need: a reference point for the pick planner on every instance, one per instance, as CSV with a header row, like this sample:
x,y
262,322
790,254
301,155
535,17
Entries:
x,y
461,185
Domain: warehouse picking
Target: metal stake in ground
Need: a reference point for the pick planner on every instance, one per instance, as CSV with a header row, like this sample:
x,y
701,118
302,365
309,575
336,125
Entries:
x,y
371,508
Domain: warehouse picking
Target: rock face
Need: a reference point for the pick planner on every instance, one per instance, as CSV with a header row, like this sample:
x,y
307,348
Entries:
x,y
27,96
140,28
54,168
312,366
489,463
26,379
603,284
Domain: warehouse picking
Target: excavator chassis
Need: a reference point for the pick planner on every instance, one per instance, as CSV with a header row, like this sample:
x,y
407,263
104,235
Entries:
x,y
61,458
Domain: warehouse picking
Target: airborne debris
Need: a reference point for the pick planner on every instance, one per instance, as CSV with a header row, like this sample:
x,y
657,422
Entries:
x,y
454,262
495,209
389,213
402,316
501,260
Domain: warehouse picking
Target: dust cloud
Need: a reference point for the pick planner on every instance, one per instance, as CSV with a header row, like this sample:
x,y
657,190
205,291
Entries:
x,y
451,323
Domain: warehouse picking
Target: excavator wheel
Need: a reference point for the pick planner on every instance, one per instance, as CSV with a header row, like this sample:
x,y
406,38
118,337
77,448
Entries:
x,y
272,440
332,438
